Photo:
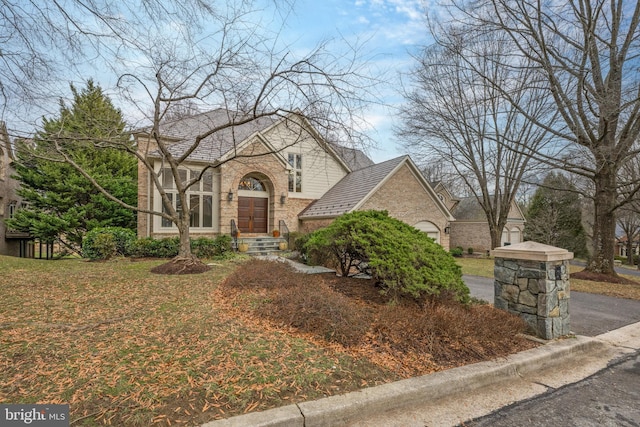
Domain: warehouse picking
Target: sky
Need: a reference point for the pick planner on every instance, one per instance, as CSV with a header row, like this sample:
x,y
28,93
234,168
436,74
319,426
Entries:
x,y
391,31
386,31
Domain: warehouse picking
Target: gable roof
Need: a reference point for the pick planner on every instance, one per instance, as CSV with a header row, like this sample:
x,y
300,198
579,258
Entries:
x,y
354,158
356,187
223,142
469,209
213,147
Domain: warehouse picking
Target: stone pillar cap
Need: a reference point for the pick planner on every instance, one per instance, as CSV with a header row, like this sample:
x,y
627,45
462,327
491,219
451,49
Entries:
x,y
532,251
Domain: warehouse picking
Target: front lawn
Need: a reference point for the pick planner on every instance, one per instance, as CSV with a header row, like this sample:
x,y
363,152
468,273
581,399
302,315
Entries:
x,y
126,347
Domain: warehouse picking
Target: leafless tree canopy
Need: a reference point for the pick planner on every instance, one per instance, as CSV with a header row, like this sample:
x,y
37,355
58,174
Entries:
x,y
587,55
459,112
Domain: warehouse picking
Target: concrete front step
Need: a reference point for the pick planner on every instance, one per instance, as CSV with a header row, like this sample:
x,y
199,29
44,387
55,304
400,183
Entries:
x,y
262,245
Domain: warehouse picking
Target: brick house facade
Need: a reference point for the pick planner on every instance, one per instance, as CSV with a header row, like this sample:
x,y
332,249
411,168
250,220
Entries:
x,y
272,170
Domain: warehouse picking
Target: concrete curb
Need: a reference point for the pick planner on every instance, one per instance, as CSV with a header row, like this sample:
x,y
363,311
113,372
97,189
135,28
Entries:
x,y
369,402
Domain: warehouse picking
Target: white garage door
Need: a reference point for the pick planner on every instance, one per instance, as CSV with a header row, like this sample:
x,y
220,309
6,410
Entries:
x,y
429,228
515,236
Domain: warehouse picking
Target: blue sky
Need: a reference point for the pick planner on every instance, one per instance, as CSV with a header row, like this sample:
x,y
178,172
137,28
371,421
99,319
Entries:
x,y
391,29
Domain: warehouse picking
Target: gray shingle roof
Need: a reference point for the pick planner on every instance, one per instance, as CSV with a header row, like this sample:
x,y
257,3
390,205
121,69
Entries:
x,y
215,146
350,190
469,209
354,158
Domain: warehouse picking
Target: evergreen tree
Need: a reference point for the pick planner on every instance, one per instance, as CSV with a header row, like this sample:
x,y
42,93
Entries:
x,y
554,216
61,203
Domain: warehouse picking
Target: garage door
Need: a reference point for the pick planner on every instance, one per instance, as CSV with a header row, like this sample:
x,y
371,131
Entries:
x,y
429,228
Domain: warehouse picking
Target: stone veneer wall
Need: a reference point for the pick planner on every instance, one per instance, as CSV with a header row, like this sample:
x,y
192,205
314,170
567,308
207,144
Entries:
x,y
532,281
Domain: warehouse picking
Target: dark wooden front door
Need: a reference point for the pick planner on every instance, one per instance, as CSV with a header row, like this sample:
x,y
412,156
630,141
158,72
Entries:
x,y
252,214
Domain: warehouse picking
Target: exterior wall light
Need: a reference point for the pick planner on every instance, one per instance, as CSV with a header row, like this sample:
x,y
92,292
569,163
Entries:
x,y
230,195
283,198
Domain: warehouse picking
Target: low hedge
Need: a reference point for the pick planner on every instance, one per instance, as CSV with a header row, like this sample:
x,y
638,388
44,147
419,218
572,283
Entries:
x,y
107,242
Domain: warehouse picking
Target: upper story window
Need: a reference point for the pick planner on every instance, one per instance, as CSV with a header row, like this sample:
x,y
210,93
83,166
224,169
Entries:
x,y
199,195
13,206
295,174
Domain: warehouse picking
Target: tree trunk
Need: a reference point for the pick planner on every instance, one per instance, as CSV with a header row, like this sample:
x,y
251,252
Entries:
x,y
604,224
496,237
629,250
184,252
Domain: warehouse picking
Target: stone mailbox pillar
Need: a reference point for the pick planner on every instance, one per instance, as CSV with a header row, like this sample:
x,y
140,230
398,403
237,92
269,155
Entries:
x,y
532,281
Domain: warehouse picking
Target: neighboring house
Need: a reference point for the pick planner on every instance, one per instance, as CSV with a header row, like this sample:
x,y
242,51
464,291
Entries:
x,y
444,195
621,245
12,242
280,171
471,229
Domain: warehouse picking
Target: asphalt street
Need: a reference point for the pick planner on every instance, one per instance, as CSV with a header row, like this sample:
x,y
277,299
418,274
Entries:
x,y
611,397
590,314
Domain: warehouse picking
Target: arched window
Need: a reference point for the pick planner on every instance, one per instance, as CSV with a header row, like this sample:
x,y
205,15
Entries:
x,y
250,183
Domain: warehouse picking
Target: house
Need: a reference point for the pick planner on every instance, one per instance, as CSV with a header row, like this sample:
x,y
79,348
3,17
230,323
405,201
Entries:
x,y
13,243
444,195
471,228
621,245
396,186
272,172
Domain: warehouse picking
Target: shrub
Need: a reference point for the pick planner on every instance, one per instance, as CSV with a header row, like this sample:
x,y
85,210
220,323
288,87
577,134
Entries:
x,y
104,246
402,259
168,247
470,251
203,247
95,246
155,248
456,252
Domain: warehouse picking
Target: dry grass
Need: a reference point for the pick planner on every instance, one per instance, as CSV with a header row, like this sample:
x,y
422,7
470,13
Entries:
x,y
126,347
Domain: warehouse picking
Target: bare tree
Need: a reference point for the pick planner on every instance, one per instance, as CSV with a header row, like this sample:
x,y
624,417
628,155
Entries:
x,y
46,44
453,115
235,69
587,52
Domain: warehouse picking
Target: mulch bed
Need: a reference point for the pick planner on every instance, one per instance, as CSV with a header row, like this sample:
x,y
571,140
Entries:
x,y
181,266
599,277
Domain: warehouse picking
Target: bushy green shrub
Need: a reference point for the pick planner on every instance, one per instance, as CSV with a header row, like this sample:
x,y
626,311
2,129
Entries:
x,y
456,252
300,244
95,246
155,248
470,251
168,247
203,247
401,258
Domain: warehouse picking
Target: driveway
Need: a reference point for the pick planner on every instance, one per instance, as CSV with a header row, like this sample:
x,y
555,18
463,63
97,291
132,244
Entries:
x,y
591,314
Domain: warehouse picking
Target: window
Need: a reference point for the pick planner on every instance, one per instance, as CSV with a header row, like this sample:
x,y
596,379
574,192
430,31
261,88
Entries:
x,y
200,196
295,174
250,183
12,209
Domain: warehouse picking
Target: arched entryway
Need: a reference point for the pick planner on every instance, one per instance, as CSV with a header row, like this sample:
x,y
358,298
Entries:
x,y
253,204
